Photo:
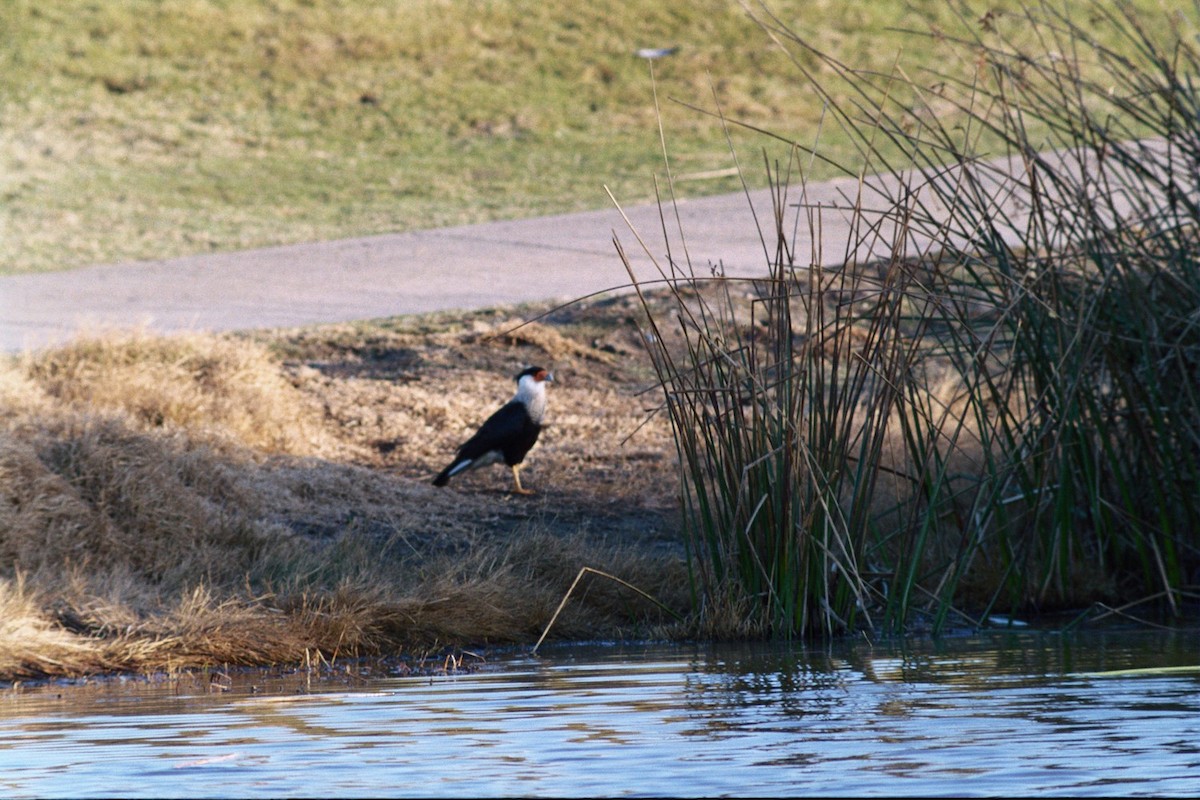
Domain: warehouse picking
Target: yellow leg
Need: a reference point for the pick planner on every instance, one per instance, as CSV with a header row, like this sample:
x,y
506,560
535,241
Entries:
x,y
517,479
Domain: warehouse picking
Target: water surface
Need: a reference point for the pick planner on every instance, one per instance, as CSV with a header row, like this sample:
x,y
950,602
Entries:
x,y
998,715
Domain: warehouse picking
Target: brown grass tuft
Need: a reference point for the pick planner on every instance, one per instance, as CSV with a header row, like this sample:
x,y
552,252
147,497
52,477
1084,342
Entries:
x,y
209,385
94,492
32,644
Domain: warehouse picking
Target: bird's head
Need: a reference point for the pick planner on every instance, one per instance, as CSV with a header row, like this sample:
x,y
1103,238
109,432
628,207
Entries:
x,y
534,375
531,390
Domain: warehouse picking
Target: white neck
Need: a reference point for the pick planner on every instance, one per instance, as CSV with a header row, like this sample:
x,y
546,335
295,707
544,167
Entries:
x,y
532,393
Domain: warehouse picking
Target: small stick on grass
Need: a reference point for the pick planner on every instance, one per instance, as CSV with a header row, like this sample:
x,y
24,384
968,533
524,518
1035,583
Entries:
x,y
583,571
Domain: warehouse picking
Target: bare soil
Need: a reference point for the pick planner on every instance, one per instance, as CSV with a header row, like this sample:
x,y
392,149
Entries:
x,y
402,394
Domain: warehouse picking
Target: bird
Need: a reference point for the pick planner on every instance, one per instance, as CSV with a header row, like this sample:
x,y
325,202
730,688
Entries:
x,y
507,435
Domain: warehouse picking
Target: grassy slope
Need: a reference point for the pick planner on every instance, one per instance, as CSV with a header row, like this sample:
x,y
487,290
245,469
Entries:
x,y
174,501
144,129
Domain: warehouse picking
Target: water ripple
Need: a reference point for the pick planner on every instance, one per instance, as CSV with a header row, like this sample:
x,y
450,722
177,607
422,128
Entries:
x,y
1000,716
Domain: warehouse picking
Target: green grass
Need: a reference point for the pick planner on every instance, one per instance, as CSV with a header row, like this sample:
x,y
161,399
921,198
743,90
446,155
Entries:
x,y
142,129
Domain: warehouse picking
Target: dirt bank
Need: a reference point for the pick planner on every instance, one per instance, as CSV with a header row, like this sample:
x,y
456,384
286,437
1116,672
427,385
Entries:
x,y
257,498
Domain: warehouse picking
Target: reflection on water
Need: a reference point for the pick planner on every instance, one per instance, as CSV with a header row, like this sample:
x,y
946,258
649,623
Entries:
x,y
1001,715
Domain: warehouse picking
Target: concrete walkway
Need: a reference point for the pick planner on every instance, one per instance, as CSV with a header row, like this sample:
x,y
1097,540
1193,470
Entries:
x,y
473,266
560,257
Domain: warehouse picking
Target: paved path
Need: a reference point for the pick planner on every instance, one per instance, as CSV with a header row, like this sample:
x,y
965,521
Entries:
x,y
559,257
473,266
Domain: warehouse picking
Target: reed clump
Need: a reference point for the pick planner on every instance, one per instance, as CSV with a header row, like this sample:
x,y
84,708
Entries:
x,y
987,400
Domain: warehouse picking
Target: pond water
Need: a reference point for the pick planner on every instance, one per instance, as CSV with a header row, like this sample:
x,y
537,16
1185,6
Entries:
x,y
1001,714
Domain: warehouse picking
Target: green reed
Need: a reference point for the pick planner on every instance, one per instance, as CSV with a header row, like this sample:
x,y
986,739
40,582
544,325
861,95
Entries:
x,y
997,410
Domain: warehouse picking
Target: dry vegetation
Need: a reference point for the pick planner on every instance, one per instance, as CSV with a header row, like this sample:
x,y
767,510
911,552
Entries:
x,y
257,498
265,498
188,500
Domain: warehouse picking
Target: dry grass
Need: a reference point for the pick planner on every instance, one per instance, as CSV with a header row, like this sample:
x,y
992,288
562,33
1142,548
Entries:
x,y
265,498
32,643
210,387
182,501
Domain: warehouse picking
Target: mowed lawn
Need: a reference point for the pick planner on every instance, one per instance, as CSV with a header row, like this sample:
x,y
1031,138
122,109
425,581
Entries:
x,y
145,129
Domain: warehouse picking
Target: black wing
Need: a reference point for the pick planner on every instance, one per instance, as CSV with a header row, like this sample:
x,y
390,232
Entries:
x,y
500,429
509,431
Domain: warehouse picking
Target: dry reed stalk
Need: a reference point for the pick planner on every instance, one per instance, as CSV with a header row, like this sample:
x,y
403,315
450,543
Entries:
x,y
590,571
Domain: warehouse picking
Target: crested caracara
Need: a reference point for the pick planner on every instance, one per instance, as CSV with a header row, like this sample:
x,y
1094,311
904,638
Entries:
x,y
508,434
